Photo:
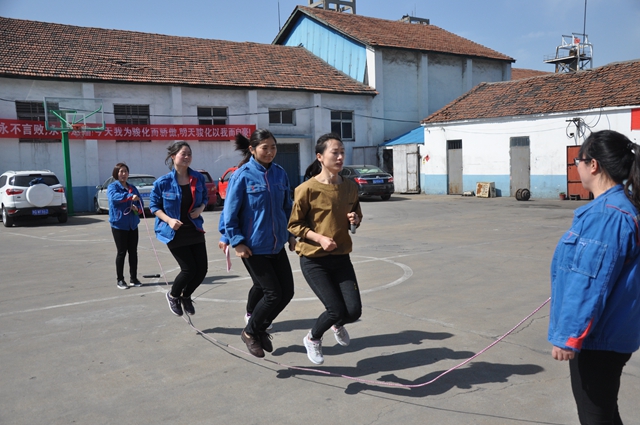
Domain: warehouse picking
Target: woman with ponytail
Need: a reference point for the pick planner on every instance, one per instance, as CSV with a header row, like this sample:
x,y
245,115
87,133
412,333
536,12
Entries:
x,y
254,223
595,278
325,207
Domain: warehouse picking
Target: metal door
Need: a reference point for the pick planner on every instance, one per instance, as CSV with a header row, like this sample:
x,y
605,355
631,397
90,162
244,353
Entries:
x,y
454,167
520,160
288,157
365,155
575,190
413,172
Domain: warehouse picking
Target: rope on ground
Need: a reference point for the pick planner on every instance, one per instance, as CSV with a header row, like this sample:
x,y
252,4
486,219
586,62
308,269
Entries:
x,y
187,319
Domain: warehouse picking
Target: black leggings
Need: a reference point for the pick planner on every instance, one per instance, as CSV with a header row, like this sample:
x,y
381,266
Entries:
x,y
193,263
272,274
333,280
595,381
126,242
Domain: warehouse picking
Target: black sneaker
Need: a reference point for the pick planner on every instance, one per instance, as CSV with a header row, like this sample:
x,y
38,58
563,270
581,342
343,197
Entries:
x,y
135,282
174,305
265,341
253,345
122,284
187,305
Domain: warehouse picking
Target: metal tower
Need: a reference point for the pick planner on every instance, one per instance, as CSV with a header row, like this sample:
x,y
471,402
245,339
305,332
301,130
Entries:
x,y
338,5
574,54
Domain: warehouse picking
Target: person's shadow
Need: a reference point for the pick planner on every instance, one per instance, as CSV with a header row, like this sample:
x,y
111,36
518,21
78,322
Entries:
x,y
476,373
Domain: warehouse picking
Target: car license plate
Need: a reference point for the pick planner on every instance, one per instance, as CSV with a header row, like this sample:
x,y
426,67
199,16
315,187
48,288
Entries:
x,y
144,195
41,211
378,181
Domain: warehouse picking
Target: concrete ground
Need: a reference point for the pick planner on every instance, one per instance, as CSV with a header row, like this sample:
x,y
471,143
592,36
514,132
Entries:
x,y
441,278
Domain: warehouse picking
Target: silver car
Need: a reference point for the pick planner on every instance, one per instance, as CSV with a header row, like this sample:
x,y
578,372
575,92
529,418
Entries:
x,y
142,182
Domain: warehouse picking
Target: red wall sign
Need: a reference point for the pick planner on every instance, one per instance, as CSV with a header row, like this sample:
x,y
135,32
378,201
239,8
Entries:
x,y
635,119
21,129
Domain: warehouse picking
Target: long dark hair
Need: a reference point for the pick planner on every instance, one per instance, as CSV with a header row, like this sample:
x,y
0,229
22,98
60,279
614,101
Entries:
x,y
257,137
173,149
619,159
321,145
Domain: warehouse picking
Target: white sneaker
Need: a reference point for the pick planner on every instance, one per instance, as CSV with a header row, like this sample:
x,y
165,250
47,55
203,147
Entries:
x,y
246,321
314,349
341,334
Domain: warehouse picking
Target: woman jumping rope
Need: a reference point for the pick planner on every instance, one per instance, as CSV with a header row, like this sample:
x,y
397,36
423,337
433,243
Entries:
x,y
324,208
254,223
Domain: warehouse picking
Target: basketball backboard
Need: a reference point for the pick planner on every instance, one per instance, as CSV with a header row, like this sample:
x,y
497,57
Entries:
x,y
73,114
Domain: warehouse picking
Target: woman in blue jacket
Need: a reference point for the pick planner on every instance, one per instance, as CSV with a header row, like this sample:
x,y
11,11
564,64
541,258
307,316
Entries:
x,y
124,200
595,278
256,213
178,200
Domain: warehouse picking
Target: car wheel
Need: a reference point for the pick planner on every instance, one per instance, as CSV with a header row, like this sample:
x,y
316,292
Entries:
x,y
386,197
39,195
219,200
96,206
6,220
62,218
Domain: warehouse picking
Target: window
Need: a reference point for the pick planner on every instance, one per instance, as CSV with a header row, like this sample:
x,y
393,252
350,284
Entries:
x,y
519,141
212,116
132,115
342,124
454,144
34,111
281,116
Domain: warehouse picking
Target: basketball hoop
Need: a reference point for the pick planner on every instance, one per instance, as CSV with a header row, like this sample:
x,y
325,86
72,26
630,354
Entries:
x,y
77,127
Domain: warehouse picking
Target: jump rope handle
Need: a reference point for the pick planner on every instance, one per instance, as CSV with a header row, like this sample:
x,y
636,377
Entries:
x,y
353,229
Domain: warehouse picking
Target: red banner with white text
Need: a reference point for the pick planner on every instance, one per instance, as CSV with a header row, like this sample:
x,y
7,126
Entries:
x,y
22,129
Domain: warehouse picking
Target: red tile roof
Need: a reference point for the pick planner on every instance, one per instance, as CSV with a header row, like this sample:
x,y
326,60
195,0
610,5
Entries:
x,y
30,49
397,34
613,85
521,73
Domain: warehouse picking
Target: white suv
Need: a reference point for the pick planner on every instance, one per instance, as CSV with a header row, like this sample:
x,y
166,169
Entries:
x,y
31,193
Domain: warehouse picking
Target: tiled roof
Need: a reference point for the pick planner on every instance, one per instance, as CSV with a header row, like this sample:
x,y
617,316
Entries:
x,y
396,34
613,85
521,73
30,49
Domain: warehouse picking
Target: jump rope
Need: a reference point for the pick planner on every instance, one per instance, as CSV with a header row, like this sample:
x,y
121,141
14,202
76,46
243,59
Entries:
x,y
209,338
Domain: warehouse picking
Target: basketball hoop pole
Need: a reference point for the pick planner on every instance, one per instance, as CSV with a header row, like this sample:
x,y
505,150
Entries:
x,y
66,114
67,171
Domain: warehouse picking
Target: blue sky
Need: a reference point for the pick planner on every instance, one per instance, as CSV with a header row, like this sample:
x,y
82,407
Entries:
x,y
527,30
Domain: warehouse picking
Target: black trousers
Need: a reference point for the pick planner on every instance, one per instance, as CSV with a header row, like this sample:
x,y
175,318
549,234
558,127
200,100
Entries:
x,y
333,280
595,381
272,274
194,264
126,242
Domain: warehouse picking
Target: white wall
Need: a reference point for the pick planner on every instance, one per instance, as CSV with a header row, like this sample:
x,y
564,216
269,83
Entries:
x,y
414,84
92,161
485,149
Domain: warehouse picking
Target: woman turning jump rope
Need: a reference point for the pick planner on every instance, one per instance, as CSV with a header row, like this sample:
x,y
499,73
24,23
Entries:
x,y
594,320
324,208
124,199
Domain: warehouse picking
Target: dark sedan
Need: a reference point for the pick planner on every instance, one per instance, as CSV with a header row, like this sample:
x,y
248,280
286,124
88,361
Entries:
x,y
371,180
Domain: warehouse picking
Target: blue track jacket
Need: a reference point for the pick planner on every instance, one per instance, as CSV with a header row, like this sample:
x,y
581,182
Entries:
x,y
167,196
595,278
257,208
121,216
